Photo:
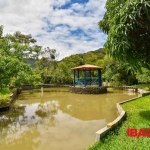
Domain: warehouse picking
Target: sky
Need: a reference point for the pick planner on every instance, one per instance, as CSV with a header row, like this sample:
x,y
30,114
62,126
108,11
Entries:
x,y
69,26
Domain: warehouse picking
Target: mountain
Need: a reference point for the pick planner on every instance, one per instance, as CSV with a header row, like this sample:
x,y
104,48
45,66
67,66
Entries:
x,y
91,57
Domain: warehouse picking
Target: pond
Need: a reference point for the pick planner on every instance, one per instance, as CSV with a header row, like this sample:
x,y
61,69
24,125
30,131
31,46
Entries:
x,y
54,119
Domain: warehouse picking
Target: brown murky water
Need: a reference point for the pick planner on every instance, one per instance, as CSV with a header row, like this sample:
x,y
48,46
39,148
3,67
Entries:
x,y
57,120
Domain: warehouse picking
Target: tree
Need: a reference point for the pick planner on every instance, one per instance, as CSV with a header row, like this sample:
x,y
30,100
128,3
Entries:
x,y
49,53
36,51
22,38
127,24
144,77
1,31
13,69
16,73
117,73
47,64
62,74
19,45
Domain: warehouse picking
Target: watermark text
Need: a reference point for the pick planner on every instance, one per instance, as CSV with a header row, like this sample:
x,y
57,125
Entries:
x,y
133,132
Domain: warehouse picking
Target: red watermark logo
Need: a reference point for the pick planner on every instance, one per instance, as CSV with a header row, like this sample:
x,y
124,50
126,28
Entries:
x,y
133,132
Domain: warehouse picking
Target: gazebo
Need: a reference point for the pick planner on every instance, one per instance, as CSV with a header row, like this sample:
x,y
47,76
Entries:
x,y
86,72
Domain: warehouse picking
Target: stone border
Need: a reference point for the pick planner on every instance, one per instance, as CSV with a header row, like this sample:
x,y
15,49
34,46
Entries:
x,y
88,90
14,95
30,87
124,88
122,114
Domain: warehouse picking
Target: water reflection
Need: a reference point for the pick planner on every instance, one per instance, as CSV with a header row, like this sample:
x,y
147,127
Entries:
x,y
14,134
19,138
19,127
41,121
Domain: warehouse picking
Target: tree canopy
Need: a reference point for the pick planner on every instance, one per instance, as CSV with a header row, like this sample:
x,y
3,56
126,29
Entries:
x,y
127,24
13,70
47,64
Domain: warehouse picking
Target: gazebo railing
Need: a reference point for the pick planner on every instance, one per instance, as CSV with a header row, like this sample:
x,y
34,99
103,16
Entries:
x,y
79,81
89,81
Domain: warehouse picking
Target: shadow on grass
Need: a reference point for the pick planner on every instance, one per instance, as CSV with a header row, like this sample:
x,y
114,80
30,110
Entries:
x,y
145,114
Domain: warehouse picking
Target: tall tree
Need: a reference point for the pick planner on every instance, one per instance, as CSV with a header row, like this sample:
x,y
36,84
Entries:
x,y
50,54
1,31
127,24
13,70
23,39
119,74
19,45
47,64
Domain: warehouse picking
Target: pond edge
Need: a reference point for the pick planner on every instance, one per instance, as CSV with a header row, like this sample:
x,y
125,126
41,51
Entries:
x,y
12,97
121,116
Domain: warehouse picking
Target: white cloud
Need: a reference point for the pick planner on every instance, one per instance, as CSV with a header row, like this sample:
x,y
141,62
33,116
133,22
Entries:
x,y
55,27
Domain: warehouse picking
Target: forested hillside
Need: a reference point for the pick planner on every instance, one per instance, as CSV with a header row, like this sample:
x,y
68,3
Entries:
x,y
90,57
63,73
114,72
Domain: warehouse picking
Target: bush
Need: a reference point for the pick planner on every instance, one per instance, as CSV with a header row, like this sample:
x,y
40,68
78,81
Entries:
x,y
4,97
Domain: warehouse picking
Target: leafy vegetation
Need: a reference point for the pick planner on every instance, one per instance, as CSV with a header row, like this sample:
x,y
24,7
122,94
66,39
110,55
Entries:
x,y
47,64
138,112
13,70
14,48
144,77
4,97
127,24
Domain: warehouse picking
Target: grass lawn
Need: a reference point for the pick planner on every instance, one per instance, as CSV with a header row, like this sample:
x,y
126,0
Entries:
x,y
138,116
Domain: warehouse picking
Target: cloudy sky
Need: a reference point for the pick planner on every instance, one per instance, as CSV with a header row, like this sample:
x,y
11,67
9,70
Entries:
x,y
69,26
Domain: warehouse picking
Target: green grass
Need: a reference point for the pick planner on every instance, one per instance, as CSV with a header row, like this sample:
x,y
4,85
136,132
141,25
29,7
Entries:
x,y
4,97
138,116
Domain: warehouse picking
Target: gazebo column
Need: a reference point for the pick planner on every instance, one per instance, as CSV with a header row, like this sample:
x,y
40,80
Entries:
x,y
90,77
99,78
78,75
74,81
84,77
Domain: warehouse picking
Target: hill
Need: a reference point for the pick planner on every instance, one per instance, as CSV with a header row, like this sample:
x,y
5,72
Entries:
x,y
91,57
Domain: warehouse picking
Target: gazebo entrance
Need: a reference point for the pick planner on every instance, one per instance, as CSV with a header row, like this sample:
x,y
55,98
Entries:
x,y
83,75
